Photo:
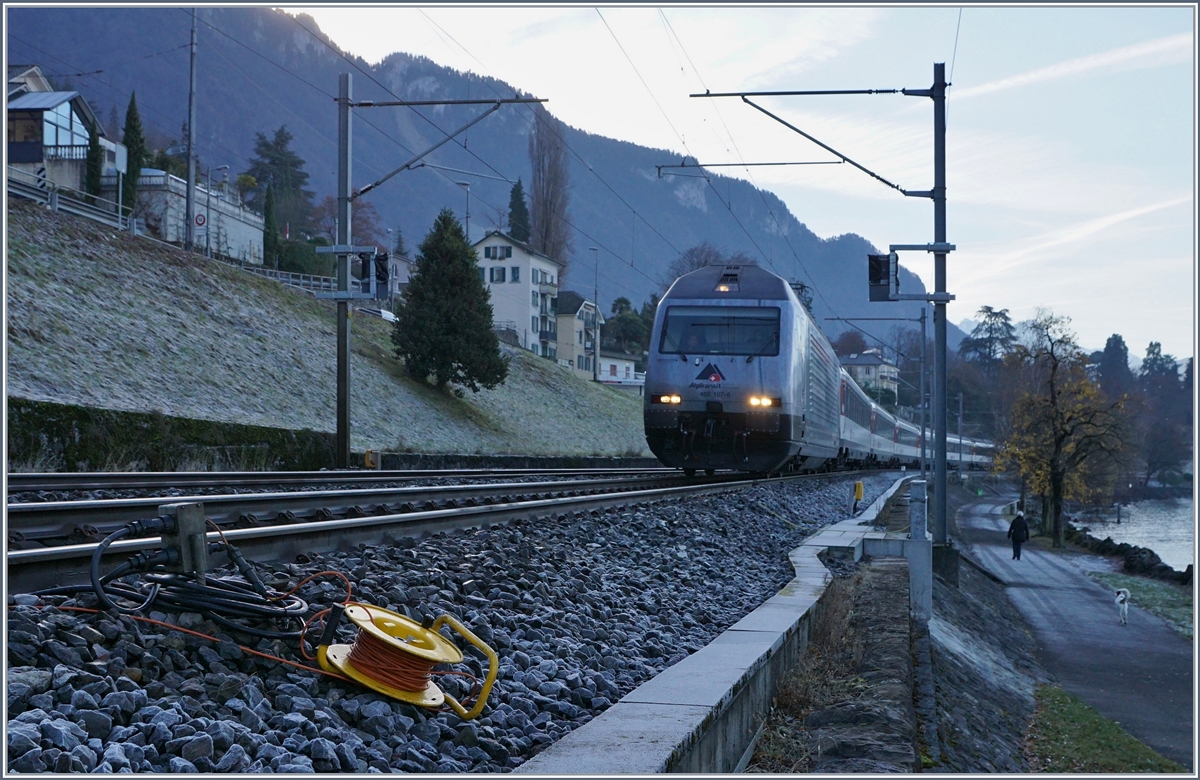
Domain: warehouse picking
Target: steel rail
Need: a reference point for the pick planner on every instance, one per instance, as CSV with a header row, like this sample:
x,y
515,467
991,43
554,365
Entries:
x,y
47,521
36,569
139,480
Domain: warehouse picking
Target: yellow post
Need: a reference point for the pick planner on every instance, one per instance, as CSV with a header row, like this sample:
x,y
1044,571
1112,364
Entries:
x,y
858,491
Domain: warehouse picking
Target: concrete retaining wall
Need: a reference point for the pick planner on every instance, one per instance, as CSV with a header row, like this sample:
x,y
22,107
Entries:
x,y
702,715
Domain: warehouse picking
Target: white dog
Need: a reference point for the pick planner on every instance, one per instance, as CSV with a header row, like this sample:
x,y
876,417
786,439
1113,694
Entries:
x,y
1123,605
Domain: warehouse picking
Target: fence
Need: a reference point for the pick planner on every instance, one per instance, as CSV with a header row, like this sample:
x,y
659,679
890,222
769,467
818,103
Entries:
x,y
59,198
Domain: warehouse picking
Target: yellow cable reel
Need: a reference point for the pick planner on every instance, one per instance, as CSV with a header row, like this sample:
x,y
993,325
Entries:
x,y
407,636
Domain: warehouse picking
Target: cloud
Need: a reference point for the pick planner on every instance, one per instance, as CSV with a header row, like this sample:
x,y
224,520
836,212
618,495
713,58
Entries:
x,y
1160,51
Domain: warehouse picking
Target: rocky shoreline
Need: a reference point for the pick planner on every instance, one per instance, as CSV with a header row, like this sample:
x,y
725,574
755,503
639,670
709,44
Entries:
x,y
1135,560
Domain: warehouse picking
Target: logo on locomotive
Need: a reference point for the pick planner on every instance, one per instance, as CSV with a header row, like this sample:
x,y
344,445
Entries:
x,y
711,374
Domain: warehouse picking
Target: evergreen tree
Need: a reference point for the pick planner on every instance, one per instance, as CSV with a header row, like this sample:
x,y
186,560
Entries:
x,y
135,146
95,164
275,163
444,322
398,248
1115,377
270,231
991,340
518,213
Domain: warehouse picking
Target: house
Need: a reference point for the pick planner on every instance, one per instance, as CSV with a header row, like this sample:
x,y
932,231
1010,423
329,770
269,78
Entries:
x,y
579,323
48,132
524,287
869,369
617,369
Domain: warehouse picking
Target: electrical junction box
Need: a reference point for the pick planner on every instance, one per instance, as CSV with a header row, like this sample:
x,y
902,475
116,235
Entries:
x,y
190,536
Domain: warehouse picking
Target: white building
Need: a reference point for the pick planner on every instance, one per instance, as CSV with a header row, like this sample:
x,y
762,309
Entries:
x,y
224,226
579,324
617,369
524,287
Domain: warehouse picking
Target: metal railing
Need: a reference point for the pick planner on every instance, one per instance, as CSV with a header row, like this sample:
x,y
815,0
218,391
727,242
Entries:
x,y
71,201
308,282
64,152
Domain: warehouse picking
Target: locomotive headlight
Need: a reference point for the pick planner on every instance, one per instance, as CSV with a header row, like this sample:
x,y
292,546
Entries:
x,y
675,399
755,401
668,399
766,402
762,401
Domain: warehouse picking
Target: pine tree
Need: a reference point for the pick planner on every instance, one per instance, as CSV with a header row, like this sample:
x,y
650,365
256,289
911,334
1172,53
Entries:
x,y
275,163
444,322
398,248
135,146
95,164
1115,377
518,213
270,231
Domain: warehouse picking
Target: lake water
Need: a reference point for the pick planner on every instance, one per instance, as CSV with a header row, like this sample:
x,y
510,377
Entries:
x,y
1168,527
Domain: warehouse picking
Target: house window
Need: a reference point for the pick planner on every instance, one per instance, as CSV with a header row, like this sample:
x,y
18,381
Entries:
x,y
533,298
507,251
580,336
534,326
626,370
516,274
612,369
498,273
482,277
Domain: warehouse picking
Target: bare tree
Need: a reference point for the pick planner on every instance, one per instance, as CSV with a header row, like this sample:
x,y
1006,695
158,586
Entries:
x,y
549,191
697,257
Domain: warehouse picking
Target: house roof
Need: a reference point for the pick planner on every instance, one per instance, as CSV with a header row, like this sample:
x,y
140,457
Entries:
x,y
617,354
569,302
521,244
40,101
45,101
863,359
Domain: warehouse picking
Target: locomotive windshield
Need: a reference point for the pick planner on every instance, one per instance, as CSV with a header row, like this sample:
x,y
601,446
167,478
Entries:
x,y
720,330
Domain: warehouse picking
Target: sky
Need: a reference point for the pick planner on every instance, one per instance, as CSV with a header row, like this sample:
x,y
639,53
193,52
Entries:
x,y
1071,138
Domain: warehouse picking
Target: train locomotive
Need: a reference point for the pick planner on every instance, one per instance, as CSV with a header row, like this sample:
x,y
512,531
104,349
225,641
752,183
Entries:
x,y
739,376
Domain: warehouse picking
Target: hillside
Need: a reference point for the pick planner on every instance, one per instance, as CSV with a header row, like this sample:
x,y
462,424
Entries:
x,y
111,321
259,69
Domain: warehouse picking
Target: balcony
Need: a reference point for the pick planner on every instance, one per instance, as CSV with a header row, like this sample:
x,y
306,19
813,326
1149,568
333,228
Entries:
x,y
65,152
548,335
547,289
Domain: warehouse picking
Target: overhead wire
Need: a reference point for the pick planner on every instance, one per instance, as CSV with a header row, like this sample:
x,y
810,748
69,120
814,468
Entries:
x,y
757,188
728,207
578,156
490,205
145,110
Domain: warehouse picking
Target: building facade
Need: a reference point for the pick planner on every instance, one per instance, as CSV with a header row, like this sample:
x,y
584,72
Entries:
x,y
579,323
869,369
224,226
617,369
524,287
48,132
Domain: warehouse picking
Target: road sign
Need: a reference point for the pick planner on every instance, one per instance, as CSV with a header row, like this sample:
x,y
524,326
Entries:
x,y
177,151
200,220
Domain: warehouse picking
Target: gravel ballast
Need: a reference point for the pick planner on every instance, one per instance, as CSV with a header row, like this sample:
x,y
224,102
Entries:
x,y
581,610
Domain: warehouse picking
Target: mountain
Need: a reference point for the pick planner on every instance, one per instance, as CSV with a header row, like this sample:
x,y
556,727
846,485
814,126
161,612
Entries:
x,y
259,69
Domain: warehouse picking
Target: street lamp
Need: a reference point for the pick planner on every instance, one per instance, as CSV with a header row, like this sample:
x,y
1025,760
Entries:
x,y
467,222
596,334
208,207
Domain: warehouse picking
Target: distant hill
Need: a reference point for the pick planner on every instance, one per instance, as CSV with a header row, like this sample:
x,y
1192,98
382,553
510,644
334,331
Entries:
x,y
259,69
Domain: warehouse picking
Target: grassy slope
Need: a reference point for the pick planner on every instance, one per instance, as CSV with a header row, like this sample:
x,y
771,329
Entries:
x,y
106,320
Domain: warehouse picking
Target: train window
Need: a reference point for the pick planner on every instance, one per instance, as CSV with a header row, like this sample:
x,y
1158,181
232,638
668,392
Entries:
x,y
720,330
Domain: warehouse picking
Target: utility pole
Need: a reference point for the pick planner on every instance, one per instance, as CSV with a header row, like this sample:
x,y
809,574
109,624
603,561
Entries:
x,y
596,336
466,185
940,536
189,231
343,273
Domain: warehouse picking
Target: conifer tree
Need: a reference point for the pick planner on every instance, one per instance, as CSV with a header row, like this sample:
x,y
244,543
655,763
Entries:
x,y
270,231
443,324
398,248
135,145
518,213
95,164
276,163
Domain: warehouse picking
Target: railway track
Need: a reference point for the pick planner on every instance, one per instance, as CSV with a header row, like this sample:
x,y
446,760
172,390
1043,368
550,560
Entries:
x,y
67,481
289,537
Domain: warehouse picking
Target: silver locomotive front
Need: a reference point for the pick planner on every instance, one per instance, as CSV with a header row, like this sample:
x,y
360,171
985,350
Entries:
x,y
722,372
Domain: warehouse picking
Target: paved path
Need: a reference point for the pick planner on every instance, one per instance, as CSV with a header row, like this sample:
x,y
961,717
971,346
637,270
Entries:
x,y
1139,675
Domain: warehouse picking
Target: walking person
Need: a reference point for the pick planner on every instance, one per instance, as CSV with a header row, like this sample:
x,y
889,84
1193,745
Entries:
x,y
1018,532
